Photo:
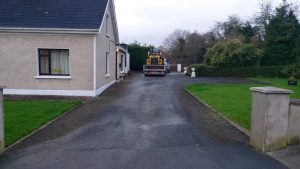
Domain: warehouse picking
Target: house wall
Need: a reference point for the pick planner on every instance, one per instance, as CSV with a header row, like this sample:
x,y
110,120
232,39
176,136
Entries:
x,y
126,66
127,69
119,61
105,42
19,61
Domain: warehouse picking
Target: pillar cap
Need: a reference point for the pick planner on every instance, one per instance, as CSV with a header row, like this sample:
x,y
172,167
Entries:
x,y
271,90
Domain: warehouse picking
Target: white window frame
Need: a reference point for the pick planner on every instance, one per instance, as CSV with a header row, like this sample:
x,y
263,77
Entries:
x,y
38,76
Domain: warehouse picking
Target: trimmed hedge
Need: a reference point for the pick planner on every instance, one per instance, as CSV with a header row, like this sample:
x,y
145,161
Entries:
x,y
258,71
138,56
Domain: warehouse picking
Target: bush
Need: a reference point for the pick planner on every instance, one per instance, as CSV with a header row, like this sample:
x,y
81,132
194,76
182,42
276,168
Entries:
x,y
210,71
292,70
216,50
232,53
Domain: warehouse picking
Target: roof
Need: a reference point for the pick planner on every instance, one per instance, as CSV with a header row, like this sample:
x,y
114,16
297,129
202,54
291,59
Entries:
x,y
61,14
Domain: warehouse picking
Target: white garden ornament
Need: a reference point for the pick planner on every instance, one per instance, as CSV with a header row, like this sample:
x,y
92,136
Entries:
x,y
193,75
185,70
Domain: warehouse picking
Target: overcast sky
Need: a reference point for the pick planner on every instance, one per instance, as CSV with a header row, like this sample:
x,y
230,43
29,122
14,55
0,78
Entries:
x,y
151,21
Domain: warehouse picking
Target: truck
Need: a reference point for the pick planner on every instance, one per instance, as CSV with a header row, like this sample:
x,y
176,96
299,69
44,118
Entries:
x,y
156,64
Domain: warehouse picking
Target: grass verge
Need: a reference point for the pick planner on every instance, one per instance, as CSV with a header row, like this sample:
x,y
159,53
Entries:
x,y
23,117
234,100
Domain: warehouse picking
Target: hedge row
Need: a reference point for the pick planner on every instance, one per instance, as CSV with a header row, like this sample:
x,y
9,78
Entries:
x,y
138,56
259,71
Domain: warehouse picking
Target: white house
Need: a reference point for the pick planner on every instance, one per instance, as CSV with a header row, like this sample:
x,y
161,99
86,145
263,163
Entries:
x,y
58,47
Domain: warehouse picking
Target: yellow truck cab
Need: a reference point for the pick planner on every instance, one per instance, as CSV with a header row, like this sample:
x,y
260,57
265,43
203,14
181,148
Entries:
x,y
155,63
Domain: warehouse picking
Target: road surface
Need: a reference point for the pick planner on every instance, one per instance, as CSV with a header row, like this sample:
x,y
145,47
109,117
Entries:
x,y
141,123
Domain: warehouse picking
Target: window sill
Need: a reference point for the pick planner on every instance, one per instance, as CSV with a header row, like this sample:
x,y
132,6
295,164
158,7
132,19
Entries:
x,y
107,75
53,77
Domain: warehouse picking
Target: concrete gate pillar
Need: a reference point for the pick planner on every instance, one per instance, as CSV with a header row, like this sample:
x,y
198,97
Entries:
x,y
269,118
2,143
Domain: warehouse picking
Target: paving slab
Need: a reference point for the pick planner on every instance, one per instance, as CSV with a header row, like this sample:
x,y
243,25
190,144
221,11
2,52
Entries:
x,y
290,156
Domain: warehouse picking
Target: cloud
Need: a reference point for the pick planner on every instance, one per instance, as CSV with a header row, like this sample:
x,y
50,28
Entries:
x,y
151,21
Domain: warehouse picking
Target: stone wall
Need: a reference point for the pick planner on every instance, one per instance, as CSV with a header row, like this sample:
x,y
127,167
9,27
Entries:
x,y
294,122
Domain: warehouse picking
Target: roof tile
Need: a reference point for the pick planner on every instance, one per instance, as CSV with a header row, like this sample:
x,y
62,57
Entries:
x,y
65,14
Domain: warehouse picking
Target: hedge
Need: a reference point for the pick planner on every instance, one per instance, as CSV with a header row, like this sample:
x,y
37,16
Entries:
x,y
258,71
138,56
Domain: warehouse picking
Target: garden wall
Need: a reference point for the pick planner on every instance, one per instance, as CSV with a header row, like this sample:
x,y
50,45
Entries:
x,y
294,122
275,119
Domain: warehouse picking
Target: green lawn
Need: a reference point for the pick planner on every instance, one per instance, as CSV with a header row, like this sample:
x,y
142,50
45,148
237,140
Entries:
x,y
282,83
23,117
234,100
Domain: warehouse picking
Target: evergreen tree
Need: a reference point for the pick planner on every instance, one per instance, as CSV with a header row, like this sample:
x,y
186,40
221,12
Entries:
x,y
138,55
248,31
281,39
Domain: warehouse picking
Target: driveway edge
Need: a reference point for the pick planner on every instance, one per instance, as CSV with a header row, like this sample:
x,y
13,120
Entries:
x,y
243,130
44,126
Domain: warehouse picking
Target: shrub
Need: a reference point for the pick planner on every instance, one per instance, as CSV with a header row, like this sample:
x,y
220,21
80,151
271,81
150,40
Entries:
x,y
216,50
231,54
257,71
292,70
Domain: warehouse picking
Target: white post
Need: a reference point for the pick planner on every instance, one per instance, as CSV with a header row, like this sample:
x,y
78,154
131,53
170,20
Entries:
x,y
193,75
185,70
2,143
269,118
178,67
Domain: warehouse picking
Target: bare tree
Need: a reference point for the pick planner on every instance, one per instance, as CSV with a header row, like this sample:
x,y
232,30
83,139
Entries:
x,y
262,18
210,39
174,38
175,43
195,48
229,28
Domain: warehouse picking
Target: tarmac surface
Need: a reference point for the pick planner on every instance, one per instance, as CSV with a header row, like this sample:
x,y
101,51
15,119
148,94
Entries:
x,y
141,123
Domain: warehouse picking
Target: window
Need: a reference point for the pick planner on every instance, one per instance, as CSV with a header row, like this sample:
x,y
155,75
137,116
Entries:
x,y
54,62
106,24
122,62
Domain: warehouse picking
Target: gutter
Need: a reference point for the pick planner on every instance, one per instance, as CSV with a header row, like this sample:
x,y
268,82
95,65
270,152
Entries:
x,y
122,49
48,30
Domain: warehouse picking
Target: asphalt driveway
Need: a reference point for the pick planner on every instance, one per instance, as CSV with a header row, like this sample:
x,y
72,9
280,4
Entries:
x,y
140,123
